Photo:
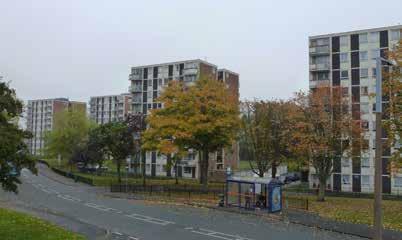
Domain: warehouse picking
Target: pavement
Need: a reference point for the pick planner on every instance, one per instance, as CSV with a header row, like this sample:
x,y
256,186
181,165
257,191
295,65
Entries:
x,y
86,210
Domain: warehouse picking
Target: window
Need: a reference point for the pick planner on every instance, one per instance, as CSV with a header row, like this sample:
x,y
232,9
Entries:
x,y
321,76
373,71
319,42
395,35
365,180
345,91
374,37
363,38
365,126
187,170
346,179
363,72
343,57
398,181
148,167
160,82
365,162
344,40
375,53
345,162
364,91
159,168
344,74
364,108
363,56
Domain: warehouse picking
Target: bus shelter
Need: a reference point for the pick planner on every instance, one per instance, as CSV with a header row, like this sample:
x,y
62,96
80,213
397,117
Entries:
x,y
252,193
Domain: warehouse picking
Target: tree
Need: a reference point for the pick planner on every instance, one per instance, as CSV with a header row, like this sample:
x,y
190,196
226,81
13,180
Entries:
x,y
119,143
163,136
204,115
392,90
325,131
92,150
265,129
70,132
14,154
136,124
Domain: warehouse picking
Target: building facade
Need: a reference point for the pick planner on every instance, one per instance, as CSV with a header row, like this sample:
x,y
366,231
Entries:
x,y
41,118
147,83
347,60
104,109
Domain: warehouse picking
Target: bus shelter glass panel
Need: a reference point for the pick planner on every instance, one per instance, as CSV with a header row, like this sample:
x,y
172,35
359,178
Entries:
x,y
233,193
247,197
261,195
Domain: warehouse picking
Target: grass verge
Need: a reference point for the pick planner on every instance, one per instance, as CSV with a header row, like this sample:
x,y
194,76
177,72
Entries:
x,y
19,226
357,210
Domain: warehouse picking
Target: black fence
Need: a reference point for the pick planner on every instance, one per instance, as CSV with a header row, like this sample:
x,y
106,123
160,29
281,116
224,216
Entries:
x,y
76,178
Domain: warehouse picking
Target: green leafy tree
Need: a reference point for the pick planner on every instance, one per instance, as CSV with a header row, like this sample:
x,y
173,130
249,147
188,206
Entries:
x,y
14,153
70,133
119,143
265,129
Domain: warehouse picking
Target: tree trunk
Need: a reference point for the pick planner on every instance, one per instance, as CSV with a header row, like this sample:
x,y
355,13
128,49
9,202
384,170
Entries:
x,y
204,167
118,172
321,191
273,170
143,169
176,173
169,165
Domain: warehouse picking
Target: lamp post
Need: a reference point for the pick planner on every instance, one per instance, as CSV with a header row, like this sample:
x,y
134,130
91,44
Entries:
x,y
378,151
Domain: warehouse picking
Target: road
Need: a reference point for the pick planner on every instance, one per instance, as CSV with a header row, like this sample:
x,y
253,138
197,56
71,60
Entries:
x,y
134,219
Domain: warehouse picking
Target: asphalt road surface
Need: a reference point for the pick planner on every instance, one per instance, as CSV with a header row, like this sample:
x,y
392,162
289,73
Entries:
x,y
133,219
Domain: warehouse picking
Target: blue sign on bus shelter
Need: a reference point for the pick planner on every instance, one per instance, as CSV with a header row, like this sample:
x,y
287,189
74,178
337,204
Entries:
x,y
274,197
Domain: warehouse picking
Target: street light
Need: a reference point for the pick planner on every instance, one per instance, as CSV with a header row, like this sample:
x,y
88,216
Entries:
x,y
378,150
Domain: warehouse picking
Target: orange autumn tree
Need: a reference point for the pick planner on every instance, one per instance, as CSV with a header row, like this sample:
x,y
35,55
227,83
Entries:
x,y
166,132
324,131
202,116
392,90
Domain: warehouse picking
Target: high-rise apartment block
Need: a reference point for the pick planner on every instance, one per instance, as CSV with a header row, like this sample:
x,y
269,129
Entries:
x,y
347,60
41,118
104,109
147,83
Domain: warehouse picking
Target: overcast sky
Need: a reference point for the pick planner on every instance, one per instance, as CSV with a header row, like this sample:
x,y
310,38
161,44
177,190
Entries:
x,y
81,48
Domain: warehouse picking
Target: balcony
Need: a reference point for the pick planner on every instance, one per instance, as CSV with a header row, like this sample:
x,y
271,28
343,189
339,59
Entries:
x,y
319,50
137,100
190,71
319,67
135,88
134,77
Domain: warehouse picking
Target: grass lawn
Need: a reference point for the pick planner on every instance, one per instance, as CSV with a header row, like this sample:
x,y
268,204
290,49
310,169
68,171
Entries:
x,y
244,165
19,226
106,180
357,210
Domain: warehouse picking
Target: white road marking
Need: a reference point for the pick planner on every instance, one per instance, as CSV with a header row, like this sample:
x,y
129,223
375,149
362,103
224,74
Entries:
x,y
149,219
220,235
134,238
44,189
100,207
121,234
53,191
73,198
